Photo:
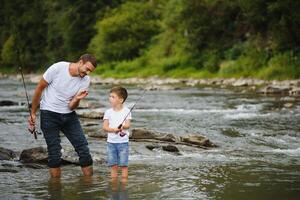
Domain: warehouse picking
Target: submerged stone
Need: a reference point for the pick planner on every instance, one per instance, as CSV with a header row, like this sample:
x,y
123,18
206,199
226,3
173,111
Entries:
x,y
6,154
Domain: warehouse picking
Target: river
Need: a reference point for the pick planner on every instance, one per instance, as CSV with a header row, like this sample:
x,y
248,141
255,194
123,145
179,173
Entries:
x,y
258,153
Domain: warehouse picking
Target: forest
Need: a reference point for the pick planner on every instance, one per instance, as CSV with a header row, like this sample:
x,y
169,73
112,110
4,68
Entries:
x,y
164,38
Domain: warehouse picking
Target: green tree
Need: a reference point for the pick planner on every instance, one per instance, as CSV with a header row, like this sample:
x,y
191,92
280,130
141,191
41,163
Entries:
x,y
125,32
24,33
71,26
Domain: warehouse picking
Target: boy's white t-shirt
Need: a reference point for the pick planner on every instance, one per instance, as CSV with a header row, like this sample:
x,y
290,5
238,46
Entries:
x,y
62,87
115,118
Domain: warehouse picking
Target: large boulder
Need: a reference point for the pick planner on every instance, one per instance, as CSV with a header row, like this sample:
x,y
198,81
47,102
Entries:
x,y
6,154
34,155
190,139
39,155
142,134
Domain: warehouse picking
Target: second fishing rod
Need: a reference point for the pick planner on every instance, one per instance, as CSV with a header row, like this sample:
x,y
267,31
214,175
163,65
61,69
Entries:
x,y
122,134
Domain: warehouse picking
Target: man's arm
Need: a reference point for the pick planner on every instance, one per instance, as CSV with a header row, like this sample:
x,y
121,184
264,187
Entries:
x,y
36,100
74,103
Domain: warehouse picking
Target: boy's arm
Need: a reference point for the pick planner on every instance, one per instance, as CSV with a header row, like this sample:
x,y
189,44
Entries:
x,y
126,124
106,127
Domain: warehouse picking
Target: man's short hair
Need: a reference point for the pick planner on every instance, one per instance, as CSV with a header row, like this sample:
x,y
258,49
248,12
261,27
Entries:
x,y
89,58
120,91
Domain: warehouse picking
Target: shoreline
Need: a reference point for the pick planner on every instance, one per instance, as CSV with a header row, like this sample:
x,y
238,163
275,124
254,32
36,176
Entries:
x,y
284,87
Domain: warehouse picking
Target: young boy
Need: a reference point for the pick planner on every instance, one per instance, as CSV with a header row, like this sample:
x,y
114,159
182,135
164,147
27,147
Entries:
x,y
117,137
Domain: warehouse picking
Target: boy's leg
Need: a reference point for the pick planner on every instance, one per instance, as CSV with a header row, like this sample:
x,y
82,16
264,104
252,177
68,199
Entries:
x,y
112,159
123,152
50,124
124,172
114,171
73,131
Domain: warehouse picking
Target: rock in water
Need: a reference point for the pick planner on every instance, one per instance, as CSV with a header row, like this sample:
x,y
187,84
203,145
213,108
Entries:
x,y
39,155
6,154
151,147
170,148
197,140
34,155
190,139
8,103
90,114
142,134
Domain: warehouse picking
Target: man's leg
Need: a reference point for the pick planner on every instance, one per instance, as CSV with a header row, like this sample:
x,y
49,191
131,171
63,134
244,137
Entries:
x,y
73,131
50,124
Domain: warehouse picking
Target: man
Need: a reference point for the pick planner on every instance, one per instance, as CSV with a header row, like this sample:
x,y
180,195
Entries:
x,y
62,87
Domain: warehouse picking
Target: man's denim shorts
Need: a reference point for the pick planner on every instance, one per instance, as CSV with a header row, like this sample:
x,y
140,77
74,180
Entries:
x,y
117,154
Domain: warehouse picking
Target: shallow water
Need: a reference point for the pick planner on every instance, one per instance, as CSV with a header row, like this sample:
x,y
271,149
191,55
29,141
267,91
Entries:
x,y
258,155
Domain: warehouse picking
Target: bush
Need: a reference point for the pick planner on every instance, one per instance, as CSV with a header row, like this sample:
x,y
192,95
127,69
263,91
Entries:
x,y
282,66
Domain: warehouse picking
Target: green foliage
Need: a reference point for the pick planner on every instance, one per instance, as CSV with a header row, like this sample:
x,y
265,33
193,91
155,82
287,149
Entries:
x,y
177,38
249,60
22,21
8,54
71,26
125,32
282,66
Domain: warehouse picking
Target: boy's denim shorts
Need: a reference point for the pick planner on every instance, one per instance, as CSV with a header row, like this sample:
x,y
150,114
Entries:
x,y
51,124
117,154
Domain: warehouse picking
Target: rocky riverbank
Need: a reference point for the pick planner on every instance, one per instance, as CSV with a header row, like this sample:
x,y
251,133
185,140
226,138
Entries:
x,y
286,87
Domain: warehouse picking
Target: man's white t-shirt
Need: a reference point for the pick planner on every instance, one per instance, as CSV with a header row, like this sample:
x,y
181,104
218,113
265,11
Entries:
x,y
115,118
62,87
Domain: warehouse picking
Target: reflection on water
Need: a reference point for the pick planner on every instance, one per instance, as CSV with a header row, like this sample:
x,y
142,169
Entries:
x,y
118,190
88,188
257,158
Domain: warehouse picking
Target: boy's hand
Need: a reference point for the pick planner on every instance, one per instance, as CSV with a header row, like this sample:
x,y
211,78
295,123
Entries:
x,y
117,130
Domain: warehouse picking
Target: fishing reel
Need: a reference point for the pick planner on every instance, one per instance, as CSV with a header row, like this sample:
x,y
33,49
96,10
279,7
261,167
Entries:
x,y
34,132
121,133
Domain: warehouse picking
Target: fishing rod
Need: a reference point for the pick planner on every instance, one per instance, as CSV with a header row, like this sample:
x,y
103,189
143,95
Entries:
x,y
120,126
31,130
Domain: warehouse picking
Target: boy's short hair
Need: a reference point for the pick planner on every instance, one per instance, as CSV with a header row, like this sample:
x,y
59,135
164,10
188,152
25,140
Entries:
x,y
89,58
120,91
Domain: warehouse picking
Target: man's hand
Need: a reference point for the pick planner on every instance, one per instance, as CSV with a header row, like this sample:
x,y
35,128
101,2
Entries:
x,y
76,99
81,94
31,123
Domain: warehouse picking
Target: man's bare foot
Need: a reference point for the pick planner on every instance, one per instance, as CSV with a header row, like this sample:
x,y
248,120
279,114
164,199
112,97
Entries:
x,y
87,171
55,172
